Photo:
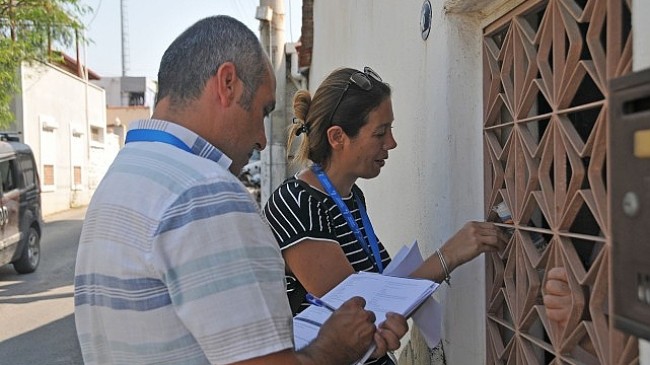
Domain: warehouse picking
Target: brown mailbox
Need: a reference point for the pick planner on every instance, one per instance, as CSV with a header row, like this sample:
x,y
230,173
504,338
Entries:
x,y
629,187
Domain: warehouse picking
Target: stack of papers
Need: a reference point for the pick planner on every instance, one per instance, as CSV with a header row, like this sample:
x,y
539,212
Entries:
x,y
382,293
429,316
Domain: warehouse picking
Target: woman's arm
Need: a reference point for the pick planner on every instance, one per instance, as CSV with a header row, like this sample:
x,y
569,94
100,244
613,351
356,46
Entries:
x,y
470,241
319,265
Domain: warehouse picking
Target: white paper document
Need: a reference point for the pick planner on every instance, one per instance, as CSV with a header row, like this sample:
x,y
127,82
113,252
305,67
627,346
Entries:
x,y
429,316
382,294
405,261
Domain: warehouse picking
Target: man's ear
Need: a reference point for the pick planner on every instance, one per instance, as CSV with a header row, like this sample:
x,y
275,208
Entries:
x,y
336,136
225,83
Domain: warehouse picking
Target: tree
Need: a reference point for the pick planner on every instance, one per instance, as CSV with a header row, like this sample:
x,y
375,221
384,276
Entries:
x,y
28,30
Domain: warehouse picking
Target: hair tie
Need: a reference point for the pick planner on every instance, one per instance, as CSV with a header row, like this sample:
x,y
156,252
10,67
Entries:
x,y
303,127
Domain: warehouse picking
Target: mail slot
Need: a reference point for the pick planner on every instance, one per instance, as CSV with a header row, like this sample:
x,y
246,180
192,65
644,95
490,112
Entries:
x,y
629,187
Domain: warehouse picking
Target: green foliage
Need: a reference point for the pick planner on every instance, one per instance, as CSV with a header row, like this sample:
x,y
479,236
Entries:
x,y
28,31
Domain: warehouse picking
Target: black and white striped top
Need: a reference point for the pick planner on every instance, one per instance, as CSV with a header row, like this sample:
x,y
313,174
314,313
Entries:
x,y
297,211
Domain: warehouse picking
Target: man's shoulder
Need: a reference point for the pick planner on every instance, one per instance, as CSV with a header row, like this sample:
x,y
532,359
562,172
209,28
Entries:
x,y
162,161
150,180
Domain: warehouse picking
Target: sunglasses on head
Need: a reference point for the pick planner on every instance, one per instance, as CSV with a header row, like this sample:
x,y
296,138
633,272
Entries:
x,y
361,80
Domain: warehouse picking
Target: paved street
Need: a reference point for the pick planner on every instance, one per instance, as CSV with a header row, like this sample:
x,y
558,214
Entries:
x,y
36,310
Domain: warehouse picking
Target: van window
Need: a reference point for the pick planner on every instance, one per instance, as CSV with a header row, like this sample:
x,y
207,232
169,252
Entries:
x,y
27,167
8,175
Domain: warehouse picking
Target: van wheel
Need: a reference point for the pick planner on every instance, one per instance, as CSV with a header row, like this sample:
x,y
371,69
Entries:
x,y
28,261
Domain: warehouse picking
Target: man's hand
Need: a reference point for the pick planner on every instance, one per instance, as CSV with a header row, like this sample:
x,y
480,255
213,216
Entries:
x,y
557,296
343,339
346,335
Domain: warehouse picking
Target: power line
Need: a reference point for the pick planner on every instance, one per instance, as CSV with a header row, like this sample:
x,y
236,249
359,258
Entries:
x,y
240,8
95,12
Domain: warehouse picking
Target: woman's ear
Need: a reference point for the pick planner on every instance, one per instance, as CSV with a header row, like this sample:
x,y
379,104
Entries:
x,y
225,83
336,137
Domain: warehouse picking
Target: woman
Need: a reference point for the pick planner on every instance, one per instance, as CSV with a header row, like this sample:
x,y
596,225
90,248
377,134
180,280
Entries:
x,y
318,216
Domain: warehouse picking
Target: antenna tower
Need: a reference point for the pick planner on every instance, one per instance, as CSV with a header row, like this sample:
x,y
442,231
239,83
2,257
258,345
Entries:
x,y
125,37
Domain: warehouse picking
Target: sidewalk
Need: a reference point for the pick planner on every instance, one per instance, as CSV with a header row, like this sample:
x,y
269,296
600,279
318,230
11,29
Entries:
x,y
72,213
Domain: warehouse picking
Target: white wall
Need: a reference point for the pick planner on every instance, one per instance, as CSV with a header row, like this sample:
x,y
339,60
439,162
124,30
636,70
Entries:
x,y
437,104
49,93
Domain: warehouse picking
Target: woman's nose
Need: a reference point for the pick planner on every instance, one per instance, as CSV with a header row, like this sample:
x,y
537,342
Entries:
x,y
391,143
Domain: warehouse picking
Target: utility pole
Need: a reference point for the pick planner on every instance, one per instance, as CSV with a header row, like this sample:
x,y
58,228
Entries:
x,y
124,23
274,165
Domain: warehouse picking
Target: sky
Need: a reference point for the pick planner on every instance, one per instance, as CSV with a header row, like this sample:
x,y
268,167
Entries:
x,y
154,24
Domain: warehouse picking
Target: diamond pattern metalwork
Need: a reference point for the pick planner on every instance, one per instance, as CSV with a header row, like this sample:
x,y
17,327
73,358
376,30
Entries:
x,y
546,67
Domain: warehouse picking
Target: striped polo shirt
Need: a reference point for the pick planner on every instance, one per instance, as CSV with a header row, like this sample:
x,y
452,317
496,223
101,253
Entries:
x,y
175,264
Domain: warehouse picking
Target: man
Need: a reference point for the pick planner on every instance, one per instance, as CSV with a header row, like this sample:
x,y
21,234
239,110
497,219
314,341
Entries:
x,y
175,264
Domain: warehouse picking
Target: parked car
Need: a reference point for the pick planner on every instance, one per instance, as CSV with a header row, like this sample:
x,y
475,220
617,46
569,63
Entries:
x,y
20,212
251,174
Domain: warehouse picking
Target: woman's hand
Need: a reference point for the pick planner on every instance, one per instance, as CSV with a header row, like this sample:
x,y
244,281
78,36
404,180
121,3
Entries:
x,y
389,333
472,240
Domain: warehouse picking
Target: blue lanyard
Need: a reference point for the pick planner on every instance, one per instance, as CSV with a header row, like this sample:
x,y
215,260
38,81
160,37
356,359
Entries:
x,y
373,250
154,135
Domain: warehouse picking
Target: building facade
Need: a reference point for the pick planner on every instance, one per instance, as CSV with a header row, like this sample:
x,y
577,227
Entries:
x,y
128,98
483,70
129,91
63,118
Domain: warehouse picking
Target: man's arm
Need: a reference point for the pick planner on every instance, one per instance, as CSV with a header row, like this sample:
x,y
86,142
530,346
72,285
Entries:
x,y
343,339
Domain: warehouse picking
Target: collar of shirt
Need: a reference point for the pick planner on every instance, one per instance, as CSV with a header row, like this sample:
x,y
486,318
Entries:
x,y
199,146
